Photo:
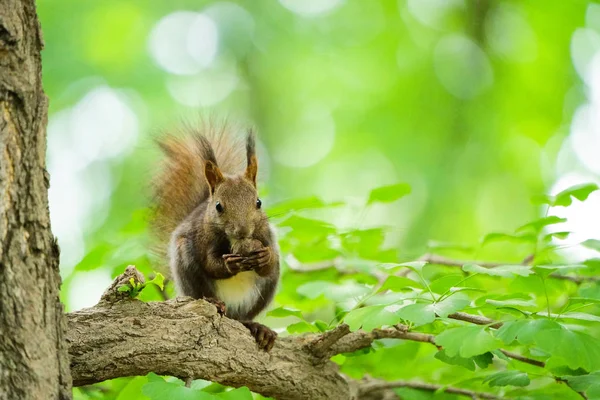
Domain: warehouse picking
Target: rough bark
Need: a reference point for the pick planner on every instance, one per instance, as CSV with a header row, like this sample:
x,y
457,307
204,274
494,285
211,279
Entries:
x,y
189,339
34,361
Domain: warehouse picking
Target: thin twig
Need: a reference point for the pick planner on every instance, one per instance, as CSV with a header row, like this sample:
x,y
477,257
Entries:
x,y
521,358
448,262
375,385
475,319
361,339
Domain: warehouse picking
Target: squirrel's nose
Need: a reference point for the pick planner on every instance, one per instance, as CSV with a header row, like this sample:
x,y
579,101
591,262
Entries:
x,y
240,232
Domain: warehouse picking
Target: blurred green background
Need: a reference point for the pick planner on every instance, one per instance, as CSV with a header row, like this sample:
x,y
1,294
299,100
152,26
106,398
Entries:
x,y
478,105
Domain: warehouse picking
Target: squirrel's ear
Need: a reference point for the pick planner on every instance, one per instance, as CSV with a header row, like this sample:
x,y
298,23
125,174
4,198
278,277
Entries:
x,y
252,168
213,175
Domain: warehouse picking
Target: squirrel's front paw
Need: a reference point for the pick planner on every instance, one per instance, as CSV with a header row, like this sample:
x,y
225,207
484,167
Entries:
x,y
235,263
258,259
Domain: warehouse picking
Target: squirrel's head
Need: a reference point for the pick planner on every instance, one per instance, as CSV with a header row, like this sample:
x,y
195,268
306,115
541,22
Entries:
x,y
233,205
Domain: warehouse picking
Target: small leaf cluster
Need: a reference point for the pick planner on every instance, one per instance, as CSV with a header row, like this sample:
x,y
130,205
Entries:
x,y
134,288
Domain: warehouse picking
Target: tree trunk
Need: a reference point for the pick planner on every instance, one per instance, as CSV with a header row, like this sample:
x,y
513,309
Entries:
x,y
34,362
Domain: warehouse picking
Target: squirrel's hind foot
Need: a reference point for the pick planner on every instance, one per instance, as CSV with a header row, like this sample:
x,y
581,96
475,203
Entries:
x,y
265,337
221,307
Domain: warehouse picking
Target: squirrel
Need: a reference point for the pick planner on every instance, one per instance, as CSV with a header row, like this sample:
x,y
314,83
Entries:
x,y
210,224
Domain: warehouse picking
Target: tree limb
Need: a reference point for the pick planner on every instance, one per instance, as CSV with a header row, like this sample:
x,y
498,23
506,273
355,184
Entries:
x,y
448,262
369,388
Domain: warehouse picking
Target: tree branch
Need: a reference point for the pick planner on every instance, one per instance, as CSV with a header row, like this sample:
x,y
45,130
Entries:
x,y
320,347
187,338
361,339
448,262
370,388
475,319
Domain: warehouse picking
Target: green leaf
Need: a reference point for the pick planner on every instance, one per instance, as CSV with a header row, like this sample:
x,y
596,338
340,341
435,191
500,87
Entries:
x,y
557,235
399,284
388,194
370,317
583,383
124,288
133,389
524,330
506,271
301,327
451,304
299,204
580,192
282,312
557,267
512,303
539,224
160,390
484,360
446,282
593,244
242,393
158,280
506,378
321,326
425,313
467,363
419,313
574,315
572,349
518,237
467,341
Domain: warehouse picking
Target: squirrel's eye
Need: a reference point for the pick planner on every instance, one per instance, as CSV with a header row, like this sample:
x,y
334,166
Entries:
x,y
258,203
219,207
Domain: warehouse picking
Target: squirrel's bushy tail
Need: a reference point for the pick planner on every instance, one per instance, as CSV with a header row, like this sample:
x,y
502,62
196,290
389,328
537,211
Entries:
x,y
180,185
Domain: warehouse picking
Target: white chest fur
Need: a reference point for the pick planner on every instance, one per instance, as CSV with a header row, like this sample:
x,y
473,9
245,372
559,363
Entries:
x,y
240,292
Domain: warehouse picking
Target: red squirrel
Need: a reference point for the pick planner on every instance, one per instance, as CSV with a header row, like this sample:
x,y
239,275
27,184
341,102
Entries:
x,y
211,226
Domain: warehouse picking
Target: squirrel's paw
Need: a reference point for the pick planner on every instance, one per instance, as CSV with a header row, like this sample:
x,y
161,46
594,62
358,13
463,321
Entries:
x,y
221,307
258,259
264,336
235,263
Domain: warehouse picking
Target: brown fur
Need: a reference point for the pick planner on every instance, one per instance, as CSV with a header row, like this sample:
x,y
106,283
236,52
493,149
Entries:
x,y
180,185
206,205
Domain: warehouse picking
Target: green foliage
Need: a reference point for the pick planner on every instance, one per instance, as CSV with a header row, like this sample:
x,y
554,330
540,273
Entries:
x,y
564,198
387,194
159,389
505,378
363,97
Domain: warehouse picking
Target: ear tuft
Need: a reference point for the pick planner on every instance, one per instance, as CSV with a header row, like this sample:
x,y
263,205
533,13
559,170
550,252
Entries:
x,y
213,175
252,170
